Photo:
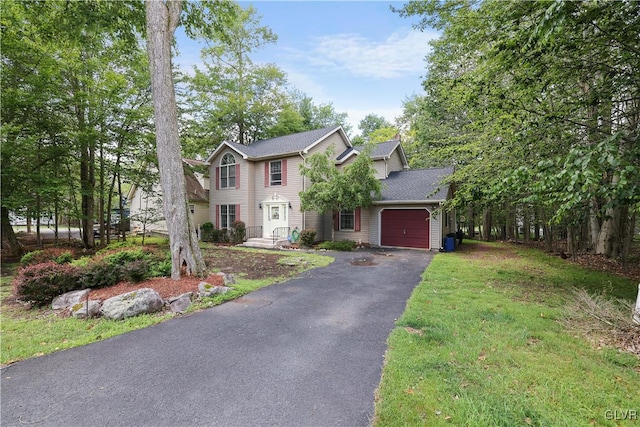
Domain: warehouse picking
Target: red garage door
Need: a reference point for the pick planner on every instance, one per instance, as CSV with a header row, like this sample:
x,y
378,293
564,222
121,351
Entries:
x,y
408,228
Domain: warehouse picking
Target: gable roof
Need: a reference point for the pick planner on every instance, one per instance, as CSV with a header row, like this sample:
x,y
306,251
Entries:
x,y
380,151
281,145
417,185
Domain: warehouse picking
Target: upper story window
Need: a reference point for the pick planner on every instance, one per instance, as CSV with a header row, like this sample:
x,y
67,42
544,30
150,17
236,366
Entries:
x,y
275,176
228,171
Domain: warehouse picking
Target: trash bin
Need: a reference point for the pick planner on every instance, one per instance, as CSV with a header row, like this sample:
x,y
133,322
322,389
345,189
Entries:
x,y
449,244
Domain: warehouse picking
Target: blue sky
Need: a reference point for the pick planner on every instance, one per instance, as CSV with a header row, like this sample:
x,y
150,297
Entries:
x,y
358,55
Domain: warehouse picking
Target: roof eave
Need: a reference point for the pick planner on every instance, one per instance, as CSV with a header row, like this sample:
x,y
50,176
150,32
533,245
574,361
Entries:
x,y
325,136
220,148
408,202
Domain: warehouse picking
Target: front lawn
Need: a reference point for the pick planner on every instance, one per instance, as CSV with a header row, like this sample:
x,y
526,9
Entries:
x,y
485,341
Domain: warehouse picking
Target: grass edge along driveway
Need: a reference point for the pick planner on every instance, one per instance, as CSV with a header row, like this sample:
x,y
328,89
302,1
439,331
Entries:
x,y
481,343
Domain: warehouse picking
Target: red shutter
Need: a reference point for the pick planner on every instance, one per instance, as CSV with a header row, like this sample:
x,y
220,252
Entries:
x,y
284,172
237,212
237,176
217,216
217,177
357,219
336,220
266,174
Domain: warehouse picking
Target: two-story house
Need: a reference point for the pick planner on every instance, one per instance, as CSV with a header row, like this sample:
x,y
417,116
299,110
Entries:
x,y
260,183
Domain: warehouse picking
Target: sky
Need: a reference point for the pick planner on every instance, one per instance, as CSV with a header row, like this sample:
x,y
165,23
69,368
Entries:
x,y
358,55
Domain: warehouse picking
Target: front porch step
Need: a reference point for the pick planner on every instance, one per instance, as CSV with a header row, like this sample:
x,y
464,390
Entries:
x,y
265,242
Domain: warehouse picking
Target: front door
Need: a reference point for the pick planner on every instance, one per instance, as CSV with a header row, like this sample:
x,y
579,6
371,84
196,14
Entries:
x,y
275,218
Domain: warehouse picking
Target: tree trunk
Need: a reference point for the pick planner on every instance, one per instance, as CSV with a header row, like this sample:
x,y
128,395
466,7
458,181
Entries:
x,y
594,224
486,225
471,226
8,237
162,20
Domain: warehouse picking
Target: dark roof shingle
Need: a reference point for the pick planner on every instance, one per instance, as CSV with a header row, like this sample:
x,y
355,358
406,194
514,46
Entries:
x,y
416,184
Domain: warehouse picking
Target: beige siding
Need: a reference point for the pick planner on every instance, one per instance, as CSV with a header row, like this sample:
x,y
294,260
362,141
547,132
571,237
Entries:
x,y
394,163
381,169
362,236
231,196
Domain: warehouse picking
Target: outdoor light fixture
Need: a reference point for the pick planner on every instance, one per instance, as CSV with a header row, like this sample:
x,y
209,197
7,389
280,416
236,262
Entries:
x,y
260,205
289,205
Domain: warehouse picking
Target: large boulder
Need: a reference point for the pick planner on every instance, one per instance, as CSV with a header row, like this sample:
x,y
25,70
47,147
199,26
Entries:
x,y
131,304
69,299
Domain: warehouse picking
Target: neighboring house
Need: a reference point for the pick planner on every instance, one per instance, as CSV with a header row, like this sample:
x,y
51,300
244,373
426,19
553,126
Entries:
x,y
260,183
146,204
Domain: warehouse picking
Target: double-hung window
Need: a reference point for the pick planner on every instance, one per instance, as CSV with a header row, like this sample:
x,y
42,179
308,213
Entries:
x,y
275,176
228,171
347,220
227,215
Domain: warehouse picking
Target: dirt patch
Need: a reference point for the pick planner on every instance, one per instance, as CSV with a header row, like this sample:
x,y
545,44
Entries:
x,y
245,264
482,250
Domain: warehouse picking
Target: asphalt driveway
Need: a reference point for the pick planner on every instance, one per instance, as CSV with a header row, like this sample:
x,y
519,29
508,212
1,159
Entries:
x,y
307,352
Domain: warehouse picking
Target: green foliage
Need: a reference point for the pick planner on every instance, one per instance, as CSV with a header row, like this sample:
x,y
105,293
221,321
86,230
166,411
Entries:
x,y
135,271
40,283
100,275
332,189
124,257
207,232
341,245
307,237
59,255
238,231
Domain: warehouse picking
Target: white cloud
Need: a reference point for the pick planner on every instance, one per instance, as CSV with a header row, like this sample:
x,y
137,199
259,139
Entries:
x,y
401,53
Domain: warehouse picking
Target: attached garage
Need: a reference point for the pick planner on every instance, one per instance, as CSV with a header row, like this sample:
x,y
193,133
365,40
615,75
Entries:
x,y
407,228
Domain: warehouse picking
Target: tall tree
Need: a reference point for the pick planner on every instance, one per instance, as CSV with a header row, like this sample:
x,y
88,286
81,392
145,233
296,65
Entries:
x,y
162,20
236,99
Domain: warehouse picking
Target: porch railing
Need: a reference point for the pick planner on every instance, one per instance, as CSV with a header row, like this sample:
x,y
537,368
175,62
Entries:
x,y
280,233
253,232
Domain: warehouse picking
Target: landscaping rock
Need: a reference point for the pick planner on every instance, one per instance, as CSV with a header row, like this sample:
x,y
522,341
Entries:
x,y
181,303
207,289
69,299
82,310
131,304
229,279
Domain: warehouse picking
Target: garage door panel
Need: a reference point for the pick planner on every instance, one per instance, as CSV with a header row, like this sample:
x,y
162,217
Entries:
x,y
405,227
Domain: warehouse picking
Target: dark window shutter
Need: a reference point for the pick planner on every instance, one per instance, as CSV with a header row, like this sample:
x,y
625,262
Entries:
x,y
237,176
237,212
336,220
357,219
284,171
266,174
217,177
217,216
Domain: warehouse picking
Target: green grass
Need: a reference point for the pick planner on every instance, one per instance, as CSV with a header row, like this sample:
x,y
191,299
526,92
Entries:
x,y
481,344
31,333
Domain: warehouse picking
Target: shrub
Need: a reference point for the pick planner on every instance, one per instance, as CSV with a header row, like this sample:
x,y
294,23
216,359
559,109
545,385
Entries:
x,y
40,283
59,255
239,231
116,245
207,232
135,271
161,268
342,245
100,275
125,257
64,258
219,236
307,237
